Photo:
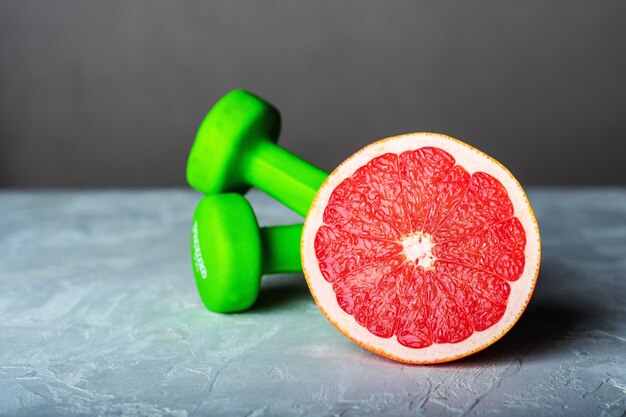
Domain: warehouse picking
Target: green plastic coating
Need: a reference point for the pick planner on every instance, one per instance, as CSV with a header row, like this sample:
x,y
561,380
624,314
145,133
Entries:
x,y
229,252
281,249
284,176
235,149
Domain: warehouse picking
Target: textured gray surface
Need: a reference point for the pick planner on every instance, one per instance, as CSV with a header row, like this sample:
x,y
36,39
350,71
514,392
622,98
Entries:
x,y
99,315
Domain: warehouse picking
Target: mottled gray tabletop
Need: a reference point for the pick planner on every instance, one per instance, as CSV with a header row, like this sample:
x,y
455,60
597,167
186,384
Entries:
x,y
99,316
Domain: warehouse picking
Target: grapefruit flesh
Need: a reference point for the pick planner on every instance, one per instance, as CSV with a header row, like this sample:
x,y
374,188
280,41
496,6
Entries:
x,y
421,248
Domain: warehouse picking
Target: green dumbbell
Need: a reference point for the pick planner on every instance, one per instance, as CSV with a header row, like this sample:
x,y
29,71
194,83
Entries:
x,y
235,148
230,252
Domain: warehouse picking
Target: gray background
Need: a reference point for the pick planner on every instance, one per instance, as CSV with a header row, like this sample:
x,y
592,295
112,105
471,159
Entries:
x,y
110,93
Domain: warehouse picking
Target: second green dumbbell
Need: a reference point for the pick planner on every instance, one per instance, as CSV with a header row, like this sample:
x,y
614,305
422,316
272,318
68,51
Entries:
x,y
230,252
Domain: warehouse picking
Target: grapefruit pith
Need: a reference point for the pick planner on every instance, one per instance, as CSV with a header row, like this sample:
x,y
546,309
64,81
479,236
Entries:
x,y
421,248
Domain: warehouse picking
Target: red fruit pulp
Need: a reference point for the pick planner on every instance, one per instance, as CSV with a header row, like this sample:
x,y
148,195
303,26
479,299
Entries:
x,y
414,246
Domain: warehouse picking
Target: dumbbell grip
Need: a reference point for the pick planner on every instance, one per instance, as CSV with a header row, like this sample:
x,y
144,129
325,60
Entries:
x,y
281,249
284,176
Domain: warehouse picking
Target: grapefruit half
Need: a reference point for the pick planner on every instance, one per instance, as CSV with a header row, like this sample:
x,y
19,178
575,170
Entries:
x,y
421,248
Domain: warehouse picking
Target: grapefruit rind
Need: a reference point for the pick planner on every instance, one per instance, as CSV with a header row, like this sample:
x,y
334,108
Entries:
x,y
472,160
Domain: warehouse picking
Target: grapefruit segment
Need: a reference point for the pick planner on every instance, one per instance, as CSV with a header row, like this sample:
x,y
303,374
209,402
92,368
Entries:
x,y
378,183
445,196
483,295
447,319
340,252
417,170
353,212
413,328
358,287
379,314
486,202
421,248
499,249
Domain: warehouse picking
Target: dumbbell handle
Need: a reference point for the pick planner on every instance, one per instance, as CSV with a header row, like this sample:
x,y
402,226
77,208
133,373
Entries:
x,y
281,249
284,176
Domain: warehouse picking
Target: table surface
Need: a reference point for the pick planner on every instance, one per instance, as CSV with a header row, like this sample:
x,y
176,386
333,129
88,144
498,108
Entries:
x,y
99,316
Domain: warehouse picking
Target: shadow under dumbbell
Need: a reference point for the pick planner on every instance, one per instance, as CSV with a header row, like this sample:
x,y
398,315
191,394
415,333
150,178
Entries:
x,y
282,292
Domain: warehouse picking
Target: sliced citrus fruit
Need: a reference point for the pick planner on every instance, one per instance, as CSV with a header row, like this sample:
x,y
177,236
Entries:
x,y
421,248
